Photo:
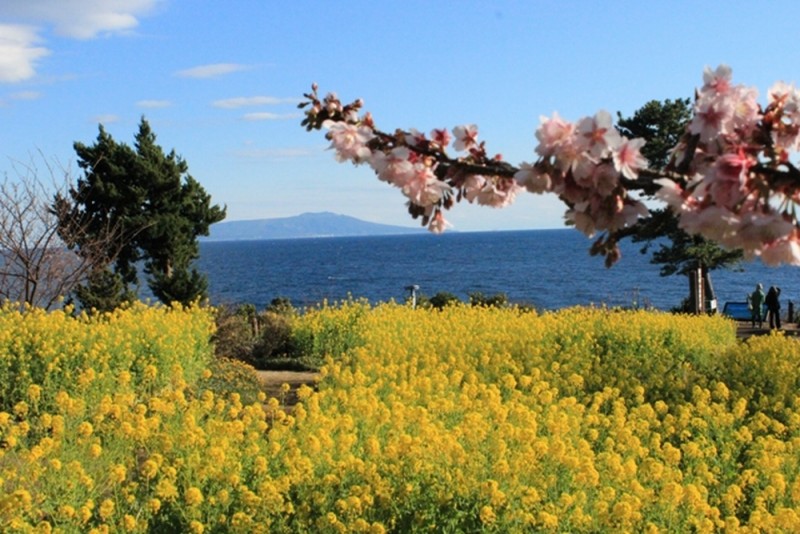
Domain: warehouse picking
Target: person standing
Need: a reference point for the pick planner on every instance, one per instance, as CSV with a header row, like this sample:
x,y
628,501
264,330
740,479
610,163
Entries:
x,y
756,302
772,300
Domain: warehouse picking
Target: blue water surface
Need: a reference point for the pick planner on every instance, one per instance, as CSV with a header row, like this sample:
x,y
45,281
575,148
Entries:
x,y
548,269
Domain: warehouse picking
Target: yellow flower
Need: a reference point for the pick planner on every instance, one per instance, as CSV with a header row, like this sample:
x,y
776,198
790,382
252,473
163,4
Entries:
x,y
149,468
95,450
106,509
193,496
548,520
129,523
21,409
124,378
117,473
154,505
150,372
85,429
23,499
166,490
34,392
487,515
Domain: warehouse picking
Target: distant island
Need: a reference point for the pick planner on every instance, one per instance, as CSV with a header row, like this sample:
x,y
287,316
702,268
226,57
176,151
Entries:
x,y
324,224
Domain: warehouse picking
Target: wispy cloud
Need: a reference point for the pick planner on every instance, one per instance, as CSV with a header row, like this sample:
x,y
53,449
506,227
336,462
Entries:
x,y
249,101
21,43
19,52
211,71
79,19
267,116
25,95
274,153
105,119
154,104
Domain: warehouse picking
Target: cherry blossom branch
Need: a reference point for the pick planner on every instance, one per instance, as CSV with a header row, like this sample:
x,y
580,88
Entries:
x,y
729,178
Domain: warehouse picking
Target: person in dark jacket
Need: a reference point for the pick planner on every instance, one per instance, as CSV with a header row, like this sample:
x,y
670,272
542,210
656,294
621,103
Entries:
x,y
773,304
756,303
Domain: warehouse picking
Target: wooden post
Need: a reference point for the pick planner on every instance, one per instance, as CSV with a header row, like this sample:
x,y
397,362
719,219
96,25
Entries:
x,y
697,297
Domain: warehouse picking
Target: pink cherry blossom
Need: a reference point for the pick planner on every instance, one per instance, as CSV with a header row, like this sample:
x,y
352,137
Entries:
x,y
581,220
757,229
670,193
332,103
746,111
597,135
716,223
712,117
465,137
349,141
533,178
394,167
717,81
438,223
414,137
784,95
423,188
604,179
782,251
497,193
728,178
441,137
553,133
472,186
731,178
627,158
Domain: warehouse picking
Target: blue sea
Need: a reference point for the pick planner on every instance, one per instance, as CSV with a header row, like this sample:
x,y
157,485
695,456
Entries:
x,y
549,269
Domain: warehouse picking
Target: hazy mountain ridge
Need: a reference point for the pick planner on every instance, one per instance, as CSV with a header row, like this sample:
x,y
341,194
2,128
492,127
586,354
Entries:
x,y
324,224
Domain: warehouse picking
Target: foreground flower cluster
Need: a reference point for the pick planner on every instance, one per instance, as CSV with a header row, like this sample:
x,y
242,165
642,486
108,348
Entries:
x,y
730,178
467,419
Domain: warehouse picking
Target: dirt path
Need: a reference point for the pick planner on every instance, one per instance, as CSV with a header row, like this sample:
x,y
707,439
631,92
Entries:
x,y
272,381
745,330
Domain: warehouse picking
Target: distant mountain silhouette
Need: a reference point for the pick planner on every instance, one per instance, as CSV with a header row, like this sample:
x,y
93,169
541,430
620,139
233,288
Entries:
x,y
323,224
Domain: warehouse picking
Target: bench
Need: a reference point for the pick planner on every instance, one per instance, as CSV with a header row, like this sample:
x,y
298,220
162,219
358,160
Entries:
x,y
740,311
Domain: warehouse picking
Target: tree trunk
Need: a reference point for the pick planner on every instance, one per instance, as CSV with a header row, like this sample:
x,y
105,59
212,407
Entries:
x,y
696,291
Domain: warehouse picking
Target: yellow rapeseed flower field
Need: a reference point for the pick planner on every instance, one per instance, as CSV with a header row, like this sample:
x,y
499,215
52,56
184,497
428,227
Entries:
x,y
468,419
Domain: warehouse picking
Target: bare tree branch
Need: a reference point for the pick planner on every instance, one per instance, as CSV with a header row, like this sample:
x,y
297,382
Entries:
x,y
37,267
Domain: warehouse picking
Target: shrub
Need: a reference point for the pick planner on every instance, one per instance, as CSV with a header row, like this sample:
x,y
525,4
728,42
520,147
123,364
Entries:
x,y
227,376
498,300
442,299
255,338
235,333
274,339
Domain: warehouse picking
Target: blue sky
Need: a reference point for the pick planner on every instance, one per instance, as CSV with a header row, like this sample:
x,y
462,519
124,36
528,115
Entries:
x,y
218,82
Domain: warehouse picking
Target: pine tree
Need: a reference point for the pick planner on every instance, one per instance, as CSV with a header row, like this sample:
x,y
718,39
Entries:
x,y
662,124
156,208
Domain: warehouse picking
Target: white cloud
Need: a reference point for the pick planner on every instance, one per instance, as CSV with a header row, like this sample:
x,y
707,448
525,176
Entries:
x,y
274,153
80,19
24,22
211,71
267,116
25,95
245,101
18,52
105,119
154,104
